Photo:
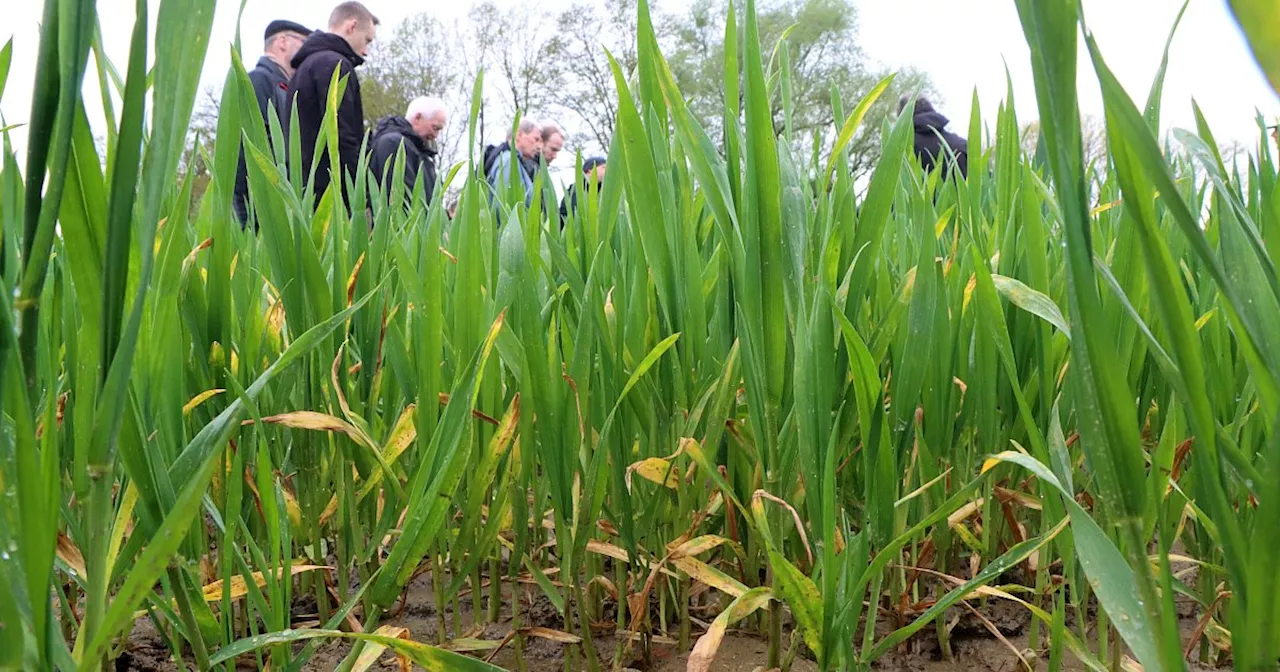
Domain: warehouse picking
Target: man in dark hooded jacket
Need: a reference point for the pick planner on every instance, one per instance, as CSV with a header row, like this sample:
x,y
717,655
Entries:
x,y
270,79
417,131
931,133
352,29
593,170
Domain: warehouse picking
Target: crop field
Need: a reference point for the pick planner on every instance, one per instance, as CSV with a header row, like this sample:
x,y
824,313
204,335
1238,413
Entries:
x,y
738,396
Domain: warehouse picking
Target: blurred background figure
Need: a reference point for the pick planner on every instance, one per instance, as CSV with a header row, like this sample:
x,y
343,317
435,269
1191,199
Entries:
x,y
931,134
593,176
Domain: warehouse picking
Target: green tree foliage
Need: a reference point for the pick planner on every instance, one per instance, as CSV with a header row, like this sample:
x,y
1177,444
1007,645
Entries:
x,y
822,42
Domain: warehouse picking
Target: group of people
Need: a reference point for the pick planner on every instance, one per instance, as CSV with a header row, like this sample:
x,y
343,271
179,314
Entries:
x,y
531,146
297,71
300,66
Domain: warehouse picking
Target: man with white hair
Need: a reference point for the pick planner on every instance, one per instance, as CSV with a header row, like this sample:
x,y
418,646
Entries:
x,y
417,132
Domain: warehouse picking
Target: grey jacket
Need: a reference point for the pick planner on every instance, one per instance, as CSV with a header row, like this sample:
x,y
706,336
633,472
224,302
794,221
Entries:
x,y
501,170
271,86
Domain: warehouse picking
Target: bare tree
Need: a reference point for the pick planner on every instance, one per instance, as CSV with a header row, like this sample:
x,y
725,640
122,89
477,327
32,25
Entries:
x,y
200,142
420,58
586,31
522,55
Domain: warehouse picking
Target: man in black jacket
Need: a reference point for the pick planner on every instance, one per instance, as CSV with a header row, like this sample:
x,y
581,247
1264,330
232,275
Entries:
x,y
270,80
417,132
931,133
352,29
592,177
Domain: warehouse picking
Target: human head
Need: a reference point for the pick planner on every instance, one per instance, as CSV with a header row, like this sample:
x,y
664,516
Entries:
x,y
528,140
282,39
356,24
428,117
593,169
922,103
552,142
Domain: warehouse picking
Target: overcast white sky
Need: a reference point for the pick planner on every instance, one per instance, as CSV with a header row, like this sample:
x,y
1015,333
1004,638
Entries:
x,y
963,44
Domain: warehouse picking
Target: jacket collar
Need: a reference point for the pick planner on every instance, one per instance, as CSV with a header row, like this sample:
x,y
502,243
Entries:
x,y
321,41
401,127
268,63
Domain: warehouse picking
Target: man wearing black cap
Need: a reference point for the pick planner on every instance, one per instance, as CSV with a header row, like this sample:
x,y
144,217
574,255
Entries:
x,y
270,80
271,77
592,175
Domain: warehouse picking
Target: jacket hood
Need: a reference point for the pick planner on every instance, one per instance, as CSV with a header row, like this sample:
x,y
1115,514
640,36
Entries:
x,y
401,126
927,119
394,123
321,41
491,154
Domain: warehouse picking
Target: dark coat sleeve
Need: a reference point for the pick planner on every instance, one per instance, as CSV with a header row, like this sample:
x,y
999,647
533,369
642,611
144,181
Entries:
x,y
350,121
960,147
569,203
350,114
428,165
382,152
932,152
263,90
412,160
927,146
382,160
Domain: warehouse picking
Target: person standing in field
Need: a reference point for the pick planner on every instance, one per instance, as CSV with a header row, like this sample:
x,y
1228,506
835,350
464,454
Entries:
x,y
933,140
352,28
592,177
417,132
519,156
270,79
